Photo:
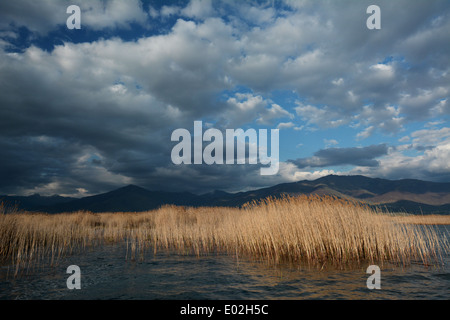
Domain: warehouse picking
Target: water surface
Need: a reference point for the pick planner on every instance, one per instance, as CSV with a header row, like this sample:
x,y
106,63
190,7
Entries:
x,y
106,274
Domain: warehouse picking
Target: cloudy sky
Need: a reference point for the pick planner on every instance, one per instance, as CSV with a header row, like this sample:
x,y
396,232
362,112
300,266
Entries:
x,y
86,111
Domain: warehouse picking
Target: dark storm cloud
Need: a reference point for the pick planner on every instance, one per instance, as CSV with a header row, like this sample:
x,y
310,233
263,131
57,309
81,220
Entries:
x,y
34,161
363,156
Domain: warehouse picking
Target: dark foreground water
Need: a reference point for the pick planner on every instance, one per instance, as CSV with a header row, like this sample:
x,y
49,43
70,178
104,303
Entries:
x,y
106,274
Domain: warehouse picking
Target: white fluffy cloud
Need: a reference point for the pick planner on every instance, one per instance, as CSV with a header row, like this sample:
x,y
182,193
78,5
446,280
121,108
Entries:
x,y
387,119
113,13
198,9
324,117
432,164
246,108
45,15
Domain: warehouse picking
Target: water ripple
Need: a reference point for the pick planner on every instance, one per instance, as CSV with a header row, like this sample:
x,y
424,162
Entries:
x,y
107,275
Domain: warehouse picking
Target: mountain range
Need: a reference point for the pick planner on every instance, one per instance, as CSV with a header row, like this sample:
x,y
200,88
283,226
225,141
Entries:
x,y
407,195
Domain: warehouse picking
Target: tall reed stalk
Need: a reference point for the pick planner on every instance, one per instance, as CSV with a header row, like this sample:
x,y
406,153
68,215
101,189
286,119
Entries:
x,y
311,229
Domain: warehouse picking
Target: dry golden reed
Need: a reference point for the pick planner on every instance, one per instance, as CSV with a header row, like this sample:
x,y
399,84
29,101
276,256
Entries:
x,y
312,229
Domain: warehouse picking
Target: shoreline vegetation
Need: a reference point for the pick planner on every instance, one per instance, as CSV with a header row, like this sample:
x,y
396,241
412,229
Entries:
x,y
316,230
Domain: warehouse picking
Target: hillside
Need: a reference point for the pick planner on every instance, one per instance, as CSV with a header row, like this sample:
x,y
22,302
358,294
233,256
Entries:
x,y
412,196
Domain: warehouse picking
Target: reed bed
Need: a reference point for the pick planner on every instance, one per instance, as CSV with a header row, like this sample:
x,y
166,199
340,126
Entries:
x,y
312,229
432,219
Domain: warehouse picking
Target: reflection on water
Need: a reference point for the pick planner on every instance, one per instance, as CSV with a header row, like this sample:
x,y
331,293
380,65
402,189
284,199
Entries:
x,y
105,274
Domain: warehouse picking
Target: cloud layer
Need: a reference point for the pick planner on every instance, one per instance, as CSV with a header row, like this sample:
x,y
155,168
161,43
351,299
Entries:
x,y
93,115
364,157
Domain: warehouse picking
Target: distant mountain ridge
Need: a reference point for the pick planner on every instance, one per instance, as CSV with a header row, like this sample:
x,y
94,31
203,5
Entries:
x,y
408,195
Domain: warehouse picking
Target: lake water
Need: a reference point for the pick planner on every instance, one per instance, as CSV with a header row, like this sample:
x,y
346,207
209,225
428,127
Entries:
x,y
106,274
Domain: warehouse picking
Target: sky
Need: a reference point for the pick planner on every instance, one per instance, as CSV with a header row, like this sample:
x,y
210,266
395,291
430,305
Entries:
x,y
85,111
